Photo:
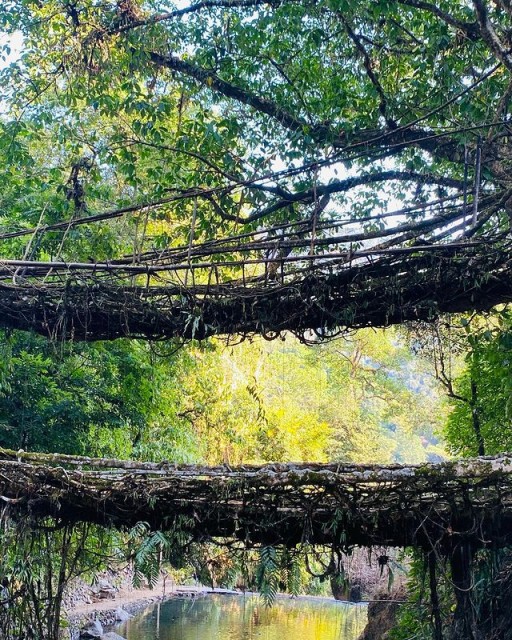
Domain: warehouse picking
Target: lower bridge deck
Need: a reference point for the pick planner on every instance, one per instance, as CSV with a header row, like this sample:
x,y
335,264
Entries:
x,y
336,504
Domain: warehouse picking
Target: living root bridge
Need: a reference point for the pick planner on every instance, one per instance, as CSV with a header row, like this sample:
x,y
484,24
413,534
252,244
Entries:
x,y
343,505
408,284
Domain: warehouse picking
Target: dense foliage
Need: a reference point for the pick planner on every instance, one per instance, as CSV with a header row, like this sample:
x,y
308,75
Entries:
x,y
362,398
358,399
481,420
309,154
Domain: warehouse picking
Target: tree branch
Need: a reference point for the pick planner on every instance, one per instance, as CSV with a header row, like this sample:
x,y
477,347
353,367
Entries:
x,y
469,28
245,96
194,8
490,36
368,65
408,134
342,186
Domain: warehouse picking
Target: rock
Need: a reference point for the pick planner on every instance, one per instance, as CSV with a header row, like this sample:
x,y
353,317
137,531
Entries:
x,y
382,615
104,585
122,615
93,629
355,593
111,635
105,590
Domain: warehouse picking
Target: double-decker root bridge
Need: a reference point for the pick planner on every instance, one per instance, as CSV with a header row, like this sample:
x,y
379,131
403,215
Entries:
x,y
428,505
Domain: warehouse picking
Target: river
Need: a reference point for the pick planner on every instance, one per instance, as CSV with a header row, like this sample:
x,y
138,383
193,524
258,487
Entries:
x,y
234,617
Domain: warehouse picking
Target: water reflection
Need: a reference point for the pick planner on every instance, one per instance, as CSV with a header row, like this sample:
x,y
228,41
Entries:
x,y
226,617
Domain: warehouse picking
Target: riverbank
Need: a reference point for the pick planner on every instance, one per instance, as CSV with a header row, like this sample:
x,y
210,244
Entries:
x,y
126,599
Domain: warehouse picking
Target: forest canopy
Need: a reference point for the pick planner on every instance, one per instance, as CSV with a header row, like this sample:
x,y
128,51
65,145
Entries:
x,y
239,166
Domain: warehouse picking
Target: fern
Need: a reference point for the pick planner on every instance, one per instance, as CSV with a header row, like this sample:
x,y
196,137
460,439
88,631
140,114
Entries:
x,y
147,555
294,577
267,575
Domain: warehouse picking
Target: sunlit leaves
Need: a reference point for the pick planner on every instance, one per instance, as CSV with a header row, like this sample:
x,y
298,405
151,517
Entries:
x,y
484,389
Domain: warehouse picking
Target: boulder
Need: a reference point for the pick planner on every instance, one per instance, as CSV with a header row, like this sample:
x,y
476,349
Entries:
x,y
122,615
93,629
111,635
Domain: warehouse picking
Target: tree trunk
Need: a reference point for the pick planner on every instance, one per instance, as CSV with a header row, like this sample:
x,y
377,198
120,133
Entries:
x,y
476,419
465,621
434,597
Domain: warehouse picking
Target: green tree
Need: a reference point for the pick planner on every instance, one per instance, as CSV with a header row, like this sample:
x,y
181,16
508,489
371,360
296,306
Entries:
x,y
37,566
481,421
101,399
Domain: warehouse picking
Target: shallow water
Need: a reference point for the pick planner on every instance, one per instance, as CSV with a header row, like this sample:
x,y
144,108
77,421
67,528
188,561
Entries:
x,y
229,617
